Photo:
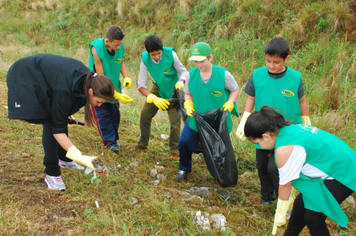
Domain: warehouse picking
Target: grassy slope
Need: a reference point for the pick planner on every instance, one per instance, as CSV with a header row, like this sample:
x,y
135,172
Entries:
x,y
322,49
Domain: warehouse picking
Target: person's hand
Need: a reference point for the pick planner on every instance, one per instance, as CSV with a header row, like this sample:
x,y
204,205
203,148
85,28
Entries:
x,y
240,129
228,106
280,218
123,98
189,107
306,120
74,154
161,103
179,85
127,82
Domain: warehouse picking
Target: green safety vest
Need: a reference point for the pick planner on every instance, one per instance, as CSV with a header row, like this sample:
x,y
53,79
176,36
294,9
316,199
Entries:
x,y
280,94
111,64
329,154
163,73
210,95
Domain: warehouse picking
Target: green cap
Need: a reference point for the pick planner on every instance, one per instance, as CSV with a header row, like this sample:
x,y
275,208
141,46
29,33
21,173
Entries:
x,y
200,51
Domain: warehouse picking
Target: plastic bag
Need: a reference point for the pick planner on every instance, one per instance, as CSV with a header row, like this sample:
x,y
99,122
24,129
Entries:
x,y
216,146
179,94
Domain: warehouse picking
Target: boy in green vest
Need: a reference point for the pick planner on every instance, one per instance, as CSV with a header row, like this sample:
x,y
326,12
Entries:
x,y
208,87
107,58
167,73
280,87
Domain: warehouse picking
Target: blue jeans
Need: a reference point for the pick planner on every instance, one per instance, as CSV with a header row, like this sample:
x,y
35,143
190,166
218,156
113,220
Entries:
x,y
107,118
188,141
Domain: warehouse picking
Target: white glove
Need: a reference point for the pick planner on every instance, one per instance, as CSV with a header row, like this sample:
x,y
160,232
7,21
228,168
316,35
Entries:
x,y
306,120
280,218
240,130
74,154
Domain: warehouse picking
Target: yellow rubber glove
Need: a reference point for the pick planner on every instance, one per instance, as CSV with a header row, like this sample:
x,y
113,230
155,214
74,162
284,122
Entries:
x,y
74,154
306,120
161,103
127,82
228,106
280,218
240,130
179,85
293,194
123,98
189,107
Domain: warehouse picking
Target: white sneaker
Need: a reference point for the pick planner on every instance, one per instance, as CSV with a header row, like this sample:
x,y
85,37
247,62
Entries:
x,y
55,182
70,165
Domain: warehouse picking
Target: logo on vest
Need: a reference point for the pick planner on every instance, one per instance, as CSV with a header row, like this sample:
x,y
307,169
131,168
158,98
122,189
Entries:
x,y
287,93
167,71
216,93
309,128
17,105
119,60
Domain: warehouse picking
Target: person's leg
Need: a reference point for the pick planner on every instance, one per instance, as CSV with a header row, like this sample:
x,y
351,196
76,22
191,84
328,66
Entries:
x,y
102,116
316,220
50,147
188,140
263,174
115,118
274,176
148,111
175,121
296,221
61,153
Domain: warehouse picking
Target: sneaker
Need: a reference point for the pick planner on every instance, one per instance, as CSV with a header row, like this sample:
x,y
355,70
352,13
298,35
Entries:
x,y
182,175
115,148
265,202
70,165
55,182
138,147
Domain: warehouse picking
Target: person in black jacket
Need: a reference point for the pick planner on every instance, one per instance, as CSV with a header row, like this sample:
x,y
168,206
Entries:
x,y
46,89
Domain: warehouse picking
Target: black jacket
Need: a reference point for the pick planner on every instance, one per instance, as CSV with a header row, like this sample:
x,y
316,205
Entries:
x,y
46,88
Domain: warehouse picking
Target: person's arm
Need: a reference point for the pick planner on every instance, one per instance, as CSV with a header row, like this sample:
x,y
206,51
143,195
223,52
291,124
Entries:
x,y
250,103
303,106
142,80
123,69
282,155
183,73
63,140
98,64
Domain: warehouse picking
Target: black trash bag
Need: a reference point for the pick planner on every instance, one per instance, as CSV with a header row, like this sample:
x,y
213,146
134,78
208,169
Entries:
x,y
179,94
216,145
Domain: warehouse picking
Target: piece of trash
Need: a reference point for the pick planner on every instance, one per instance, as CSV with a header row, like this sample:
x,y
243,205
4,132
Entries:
x,y
202,221
156,182
153,173
88,170
94,177
350,200
6,107
159,168
133,200
96,204
219,221
134,164
161,177
118,165
164,136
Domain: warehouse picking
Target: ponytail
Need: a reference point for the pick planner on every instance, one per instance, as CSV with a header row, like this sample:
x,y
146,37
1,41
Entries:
x,y
102,87
265,120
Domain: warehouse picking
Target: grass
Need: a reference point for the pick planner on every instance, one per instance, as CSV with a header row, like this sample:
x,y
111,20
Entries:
x,y
322,40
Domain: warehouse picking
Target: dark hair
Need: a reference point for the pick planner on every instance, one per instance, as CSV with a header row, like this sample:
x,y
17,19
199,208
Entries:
x,y
153,43
102,87
114,33
265,120
277,47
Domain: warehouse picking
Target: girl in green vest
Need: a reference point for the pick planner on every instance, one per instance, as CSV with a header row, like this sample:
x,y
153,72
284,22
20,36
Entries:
x,y
209,87
320,165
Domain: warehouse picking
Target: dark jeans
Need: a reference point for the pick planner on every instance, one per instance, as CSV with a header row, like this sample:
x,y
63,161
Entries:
x,y
268,174
53,151
315,221
107,118
188,141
